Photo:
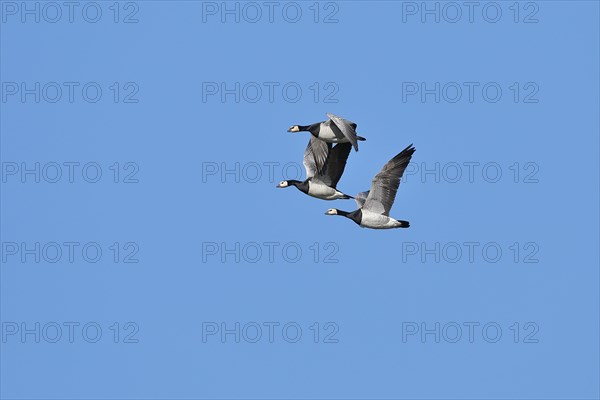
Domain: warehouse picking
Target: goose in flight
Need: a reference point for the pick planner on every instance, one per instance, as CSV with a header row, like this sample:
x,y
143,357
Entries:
x,y
374,206
334,130
324,167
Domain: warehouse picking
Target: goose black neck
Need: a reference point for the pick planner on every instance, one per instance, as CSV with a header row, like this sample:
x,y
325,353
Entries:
x,y
355,215
304,128
301,186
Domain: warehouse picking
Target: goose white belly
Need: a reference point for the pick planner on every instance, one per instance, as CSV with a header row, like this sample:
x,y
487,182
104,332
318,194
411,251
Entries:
x,y
322,191
377,221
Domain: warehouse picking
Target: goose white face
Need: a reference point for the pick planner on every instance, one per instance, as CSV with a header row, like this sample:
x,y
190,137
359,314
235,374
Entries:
x,y
331,211
283,184
294,128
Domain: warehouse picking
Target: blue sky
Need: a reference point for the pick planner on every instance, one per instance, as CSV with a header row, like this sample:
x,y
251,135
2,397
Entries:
x,y
146,252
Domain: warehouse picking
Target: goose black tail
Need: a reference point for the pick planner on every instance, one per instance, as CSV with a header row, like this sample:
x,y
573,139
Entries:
x,y
404,224
360,138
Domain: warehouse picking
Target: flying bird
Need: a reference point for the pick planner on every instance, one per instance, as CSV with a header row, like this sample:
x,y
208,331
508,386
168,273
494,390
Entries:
x,y
334,130
324,166
374,205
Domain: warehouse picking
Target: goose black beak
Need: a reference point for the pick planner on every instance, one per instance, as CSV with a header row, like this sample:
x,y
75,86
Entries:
x,y
289,129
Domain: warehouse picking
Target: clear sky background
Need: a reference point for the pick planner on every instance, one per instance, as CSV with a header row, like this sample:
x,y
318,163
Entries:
x,y
491,293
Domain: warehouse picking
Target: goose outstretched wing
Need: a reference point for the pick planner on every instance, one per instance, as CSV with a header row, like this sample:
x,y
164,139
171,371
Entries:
x,y
386,182
361,198
347,128
315,154
334,166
